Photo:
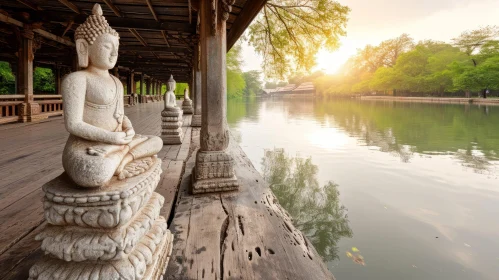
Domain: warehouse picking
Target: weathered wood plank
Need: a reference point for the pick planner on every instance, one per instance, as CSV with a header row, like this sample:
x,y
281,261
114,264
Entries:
x,y
239,235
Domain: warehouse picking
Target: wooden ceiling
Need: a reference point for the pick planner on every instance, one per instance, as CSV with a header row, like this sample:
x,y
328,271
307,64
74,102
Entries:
x,y
157,36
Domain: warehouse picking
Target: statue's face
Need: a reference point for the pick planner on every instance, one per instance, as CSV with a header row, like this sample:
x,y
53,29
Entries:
x,y
103,53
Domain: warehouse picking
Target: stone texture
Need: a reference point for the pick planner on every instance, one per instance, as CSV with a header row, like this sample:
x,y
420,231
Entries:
x,y
171,117
214,166
102,213
187,103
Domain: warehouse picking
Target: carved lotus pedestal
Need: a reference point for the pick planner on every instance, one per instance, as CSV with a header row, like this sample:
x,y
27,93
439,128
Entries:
x,y
113,232
171,127
214,172
187,107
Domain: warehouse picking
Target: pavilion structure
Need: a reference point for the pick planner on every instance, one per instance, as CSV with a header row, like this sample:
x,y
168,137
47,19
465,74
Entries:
x,y
226,221
158,39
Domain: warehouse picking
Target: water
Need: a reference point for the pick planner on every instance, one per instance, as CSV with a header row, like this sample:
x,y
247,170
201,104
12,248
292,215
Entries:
x,y
383,190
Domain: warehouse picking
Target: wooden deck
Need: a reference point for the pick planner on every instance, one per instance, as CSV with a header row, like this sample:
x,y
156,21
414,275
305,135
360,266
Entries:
x,y
238,235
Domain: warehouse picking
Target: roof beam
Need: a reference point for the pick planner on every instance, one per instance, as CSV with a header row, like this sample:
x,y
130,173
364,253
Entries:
x,y
149,4
115,9
137,35
30,4
153,49
41,32
246,16
71,6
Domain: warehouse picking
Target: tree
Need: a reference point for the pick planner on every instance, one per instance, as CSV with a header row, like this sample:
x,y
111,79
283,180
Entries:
x,y
253,83
235,79
471,41
289,33
7,79
43,80
270,85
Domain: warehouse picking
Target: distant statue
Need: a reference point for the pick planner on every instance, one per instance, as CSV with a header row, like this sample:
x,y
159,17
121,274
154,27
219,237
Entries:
x,y
170,99
102,141
187,103
186,94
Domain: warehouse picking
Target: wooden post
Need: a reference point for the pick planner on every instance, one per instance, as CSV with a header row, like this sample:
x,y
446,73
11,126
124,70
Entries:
x,y
196,87
58,73
28,110
141,88
132,88
214,170
148,89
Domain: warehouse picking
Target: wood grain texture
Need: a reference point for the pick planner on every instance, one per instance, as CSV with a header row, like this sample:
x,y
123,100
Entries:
x,y
238,235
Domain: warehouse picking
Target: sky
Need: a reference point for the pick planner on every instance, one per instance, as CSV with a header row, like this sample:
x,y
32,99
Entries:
x,y
373,21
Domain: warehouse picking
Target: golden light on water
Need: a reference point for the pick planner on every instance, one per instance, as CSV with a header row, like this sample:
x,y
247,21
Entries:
x,y
327,138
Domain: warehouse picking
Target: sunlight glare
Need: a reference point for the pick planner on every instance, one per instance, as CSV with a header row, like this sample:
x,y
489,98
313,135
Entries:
x,y
327,138
330,62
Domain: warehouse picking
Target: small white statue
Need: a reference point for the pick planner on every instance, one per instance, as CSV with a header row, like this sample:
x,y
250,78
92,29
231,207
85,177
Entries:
x,y
186,94
170,99
102,141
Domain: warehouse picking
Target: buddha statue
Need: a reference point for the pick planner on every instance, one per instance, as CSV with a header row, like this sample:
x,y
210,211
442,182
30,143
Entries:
x,y
102,141
170,99
186,94
187,103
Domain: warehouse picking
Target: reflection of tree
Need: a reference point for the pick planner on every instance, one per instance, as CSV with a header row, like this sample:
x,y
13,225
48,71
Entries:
x,y
404,129
315,210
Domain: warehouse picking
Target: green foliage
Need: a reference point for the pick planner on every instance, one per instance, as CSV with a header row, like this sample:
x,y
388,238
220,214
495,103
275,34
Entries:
x,y
253,83
235,80
399,66
289,33
316,210
43,80
179,90
7,79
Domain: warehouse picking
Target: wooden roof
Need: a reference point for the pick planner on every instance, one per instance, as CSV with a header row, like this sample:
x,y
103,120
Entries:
x,y
157,36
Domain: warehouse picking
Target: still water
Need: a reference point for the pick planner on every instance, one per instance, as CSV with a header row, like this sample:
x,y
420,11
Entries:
x,y
383,190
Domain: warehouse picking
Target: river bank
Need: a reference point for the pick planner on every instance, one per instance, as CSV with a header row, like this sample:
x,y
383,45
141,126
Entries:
x,y
479,101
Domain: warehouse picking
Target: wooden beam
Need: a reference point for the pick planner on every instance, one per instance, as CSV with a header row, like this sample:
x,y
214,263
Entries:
x,y
149,4
139,24
153,49
70,24
71,6
43,33
246,16
137,35
115,9
30,4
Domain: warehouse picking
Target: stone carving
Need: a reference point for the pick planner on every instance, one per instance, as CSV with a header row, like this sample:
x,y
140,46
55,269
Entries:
x,y
214,171
102,213
187,103
227,8
102,140
171,117
215,141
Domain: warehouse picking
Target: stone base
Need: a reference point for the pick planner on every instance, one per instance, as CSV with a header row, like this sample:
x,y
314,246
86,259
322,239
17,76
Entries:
x,y
172,139
30,112
187,107
196,121
171,127
213,184
112,232
131,268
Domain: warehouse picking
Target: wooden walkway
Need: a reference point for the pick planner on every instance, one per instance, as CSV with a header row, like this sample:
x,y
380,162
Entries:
x,y
31,156
238,235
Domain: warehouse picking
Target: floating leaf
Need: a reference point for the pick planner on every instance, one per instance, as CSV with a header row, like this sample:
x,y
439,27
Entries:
x,y
354,249
349,254
467,245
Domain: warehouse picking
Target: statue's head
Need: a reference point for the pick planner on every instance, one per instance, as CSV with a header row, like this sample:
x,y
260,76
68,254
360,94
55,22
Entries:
x,y
96,42
171,84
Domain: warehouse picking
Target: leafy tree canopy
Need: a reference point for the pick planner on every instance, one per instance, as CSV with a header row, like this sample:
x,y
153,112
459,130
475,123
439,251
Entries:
x,y
289,33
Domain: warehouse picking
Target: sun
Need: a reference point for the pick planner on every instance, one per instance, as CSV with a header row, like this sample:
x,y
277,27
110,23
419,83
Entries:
x,y
330,62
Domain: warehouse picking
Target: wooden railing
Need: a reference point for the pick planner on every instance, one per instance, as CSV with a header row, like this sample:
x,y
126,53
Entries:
x,y
50,105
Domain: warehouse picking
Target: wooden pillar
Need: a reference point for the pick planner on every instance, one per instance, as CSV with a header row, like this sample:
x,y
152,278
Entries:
x,y
214,169
116,72
148,89
141,91
196,87
58,74
28,110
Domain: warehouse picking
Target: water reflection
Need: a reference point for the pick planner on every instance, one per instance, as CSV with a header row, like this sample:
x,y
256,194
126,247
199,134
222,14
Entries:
x,y
316,210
